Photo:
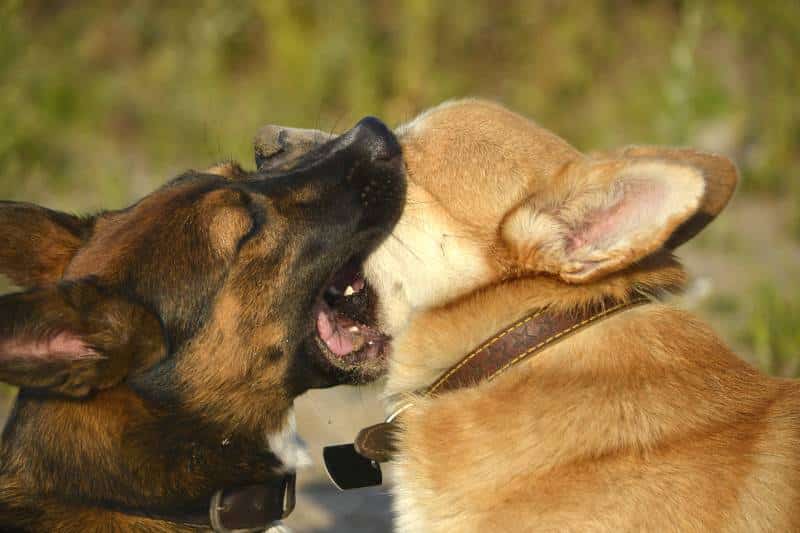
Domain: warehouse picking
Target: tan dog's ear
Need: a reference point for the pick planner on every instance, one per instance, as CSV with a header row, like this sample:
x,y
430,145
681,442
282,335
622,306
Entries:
x,y
608,213
720,176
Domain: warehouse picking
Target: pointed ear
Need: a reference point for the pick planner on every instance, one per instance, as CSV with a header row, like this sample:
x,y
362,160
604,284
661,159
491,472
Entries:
x,y
37,244
719,176
612,212
278,147
73,339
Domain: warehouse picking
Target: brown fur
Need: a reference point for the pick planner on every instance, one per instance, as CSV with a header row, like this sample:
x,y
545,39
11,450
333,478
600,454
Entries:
x,y
643,422
160,347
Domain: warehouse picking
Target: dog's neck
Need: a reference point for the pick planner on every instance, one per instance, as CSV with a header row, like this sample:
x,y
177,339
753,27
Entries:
x,y
144,465
452,331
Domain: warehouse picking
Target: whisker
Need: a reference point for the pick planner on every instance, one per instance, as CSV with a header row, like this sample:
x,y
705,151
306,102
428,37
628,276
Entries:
x,y
406,246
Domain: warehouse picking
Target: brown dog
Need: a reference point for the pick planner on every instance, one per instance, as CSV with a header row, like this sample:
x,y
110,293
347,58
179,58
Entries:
x,y
641,421
161,346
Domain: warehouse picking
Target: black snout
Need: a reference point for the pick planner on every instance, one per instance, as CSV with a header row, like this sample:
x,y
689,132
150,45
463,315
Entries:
x,y
373,139
377,171
279,148
354,182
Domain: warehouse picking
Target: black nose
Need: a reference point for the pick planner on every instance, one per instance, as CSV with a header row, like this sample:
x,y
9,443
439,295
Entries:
x,y
373,140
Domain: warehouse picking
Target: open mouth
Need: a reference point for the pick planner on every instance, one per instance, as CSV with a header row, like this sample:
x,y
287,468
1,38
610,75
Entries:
x,y
345,317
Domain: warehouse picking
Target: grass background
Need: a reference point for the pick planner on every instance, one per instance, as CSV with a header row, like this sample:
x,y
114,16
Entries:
x,y
100,102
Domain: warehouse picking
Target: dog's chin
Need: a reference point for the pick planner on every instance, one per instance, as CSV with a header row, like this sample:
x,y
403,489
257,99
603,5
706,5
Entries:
x,y
346,332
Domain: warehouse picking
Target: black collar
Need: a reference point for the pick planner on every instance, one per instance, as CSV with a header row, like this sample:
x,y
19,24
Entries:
x,y
240,509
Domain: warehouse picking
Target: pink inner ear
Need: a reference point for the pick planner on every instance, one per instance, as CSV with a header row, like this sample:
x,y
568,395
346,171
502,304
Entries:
x,y
62,345
597,227
637,208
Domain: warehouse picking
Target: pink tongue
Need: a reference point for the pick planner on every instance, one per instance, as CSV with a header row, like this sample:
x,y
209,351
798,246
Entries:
x,y
332,332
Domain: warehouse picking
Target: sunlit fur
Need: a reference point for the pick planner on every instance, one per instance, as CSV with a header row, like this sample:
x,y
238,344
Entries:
x,y
643,422
158,349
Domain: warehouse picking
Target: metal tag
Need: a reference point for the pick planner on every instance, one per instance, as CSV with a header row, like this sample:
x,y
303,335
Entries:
x,y
348,469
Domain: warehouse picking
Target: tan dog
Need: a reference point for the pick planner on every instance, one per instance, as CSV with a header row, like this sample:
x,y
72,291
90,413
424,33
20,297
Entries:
x,y
644,421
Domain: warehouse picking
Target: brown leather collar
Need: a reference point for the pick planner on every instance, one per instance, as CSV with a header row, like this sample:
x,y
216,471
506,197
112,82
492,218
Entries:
x,y
241,509
518,342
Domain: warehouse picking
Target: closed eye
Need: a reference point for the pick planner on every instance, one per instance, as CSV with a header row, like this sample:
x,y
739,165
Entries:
x,y
258,217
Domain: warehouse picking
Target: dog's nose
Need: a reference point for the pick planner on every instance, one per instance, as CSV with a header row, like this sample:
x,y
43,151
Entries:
x,y
373,140
376,170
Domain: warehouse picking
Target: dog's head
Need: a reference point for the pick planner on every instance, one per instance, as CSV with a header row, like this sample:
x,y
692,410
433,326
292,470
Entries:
x,y
493,197
205,296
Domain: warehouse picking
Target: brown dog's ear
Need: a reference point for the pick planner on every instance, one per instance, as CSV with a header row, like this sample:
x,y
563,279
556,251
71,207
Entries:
x,y
278,147
609,213
73,339
37,244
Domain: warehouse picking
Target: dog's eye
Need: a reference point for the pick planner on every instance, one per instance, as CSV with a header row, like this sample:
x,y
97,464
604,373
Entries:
x,y
233,217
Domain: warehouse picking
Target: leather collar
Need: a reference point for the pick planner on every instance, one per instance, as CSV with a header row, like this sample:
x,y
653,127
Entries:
x,y
355,465
235,510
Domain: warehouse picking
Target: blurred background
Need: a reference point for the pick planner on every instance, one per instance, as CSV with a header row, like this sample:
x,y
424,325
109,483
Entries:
x,y
100,102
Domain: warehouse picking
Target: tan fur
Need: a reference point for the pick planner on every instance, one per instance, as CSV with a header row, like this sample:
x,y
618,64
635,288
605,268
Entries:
x,y
230,221
214,381
643,422
228,170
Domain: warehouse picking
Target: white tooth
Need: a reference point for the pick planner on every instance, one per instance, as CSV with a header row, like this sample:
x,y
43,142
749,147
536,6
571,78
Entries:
x,y
349,291
353,329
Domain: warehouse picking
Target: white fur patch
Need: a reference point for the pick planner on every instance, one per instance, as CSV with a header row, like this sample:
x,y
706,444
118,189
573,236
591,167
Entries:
x,y
278,528
287,445
532,234
407,507
424,262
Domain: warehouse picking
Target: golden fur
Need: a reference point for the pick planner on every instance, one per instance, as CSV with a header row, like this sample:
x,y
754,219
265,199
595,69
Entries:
x,y
645,421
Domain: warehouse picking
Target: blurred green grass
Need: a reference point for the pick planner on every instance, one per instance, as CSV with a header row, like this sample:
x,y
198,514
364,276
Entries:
x,y
102,101
773,330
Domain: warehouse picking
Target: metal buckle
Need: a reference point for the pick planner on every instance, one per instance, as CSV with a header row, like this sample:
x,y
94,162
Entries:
x,y
289,494
397,412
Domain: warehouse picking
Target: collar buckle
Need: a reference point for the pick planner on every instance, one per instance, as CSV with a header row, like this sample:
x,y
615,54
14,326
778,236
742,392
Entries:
x,y
252,508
